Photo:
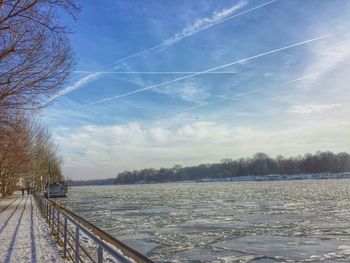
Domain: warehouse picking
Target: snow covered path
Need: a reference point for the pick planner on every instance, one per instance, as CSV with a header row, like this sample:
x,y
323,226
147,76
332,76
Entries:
x,y
24,234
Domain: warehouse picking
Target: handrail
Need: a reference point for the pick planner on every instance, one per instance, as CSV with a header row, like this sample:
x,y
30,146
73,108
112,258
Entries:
x,y
55,214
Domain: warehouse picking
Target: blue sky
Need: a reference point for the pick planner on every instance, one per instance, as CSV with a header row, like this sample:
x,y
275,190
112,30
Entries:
x,y
159,83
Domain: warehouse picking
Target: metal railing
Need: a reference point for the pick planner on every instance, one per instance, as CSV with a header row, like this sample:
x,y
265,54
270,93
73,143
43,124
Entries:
x,y
81,241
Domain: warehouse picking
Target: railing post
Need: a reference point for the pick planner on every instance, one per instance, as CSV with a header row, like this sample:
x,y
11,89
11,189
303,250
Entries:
x,y
53,218
99,254
65,238
76,245
58,225
49,215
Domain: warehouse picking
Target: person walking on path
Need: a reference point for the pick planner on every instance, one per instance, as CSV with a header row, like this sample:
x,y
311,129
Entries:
x,y
22,191
27,190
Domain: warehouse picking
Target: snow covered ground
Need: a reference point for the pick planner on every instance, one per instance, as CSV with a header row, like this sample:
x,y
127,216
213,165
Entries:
x,y
24,234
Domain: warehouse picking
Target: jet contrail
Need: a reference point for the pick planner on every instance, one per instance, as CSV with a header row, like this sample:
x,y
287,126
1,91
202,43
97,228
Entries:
x,y
169,42
152,72
204,104
181,111
209,70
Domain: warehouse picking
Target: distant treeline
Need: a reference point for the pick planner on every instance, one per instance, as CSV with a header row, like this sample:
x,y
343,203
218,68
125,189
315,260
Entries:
x,y
259,164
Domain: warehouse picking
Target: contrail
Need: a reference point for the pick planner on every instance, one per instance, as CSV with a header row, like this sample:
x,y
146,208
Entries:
x,y
210,70
200,105
308,76
180,111
152,72
169,42
204,104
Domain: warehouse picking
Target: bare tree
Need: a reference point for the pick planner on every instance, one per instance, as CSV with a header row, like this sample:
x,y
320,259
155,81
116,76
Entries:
x,y
35,61
14,155
43,153
35,55
26,151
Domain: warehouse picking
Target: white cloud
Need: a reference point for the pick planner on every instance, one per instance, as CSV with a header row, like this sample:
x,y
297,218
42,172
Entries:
x,y
77,84
198,25
327,57
324,59
80,82
207,22
209,70
307,109
112,149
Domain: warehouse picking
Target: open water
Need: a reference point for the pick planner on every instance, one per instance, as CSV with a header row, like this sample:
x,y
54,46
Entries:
x,y
286,221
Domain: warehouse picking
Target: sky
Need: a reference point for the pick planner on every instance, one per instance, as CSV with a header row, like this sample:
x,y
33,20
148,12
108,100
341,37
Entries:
x,y
159,83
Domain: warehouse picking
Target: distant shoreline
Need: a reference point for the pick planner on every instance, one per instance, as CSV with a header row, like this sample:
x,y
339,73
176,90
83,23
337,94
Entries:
x,y
278,177
249,178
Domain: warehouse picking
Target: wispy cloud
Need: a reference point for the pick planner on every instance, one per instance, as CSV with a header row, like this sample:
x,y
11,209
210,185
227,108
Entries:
x,y
302,106
76,85
218,98
210,70
207,22
243,94
307,109
327,57
197,26
187,91
151,72
304,77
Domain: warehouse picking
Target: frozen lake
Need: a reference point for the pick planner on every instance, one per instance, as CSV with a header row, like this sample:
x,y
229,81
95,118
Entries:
x,y
286,221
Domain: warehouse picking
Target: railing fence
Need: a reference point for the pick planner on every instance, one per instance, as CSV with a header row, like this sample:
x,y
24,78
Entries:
x,y
82,241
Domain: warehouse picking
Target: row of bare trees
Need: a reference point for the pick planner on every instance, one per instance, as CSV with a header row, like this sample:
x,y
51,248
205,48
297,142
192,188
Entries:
x,y
27,151
35,61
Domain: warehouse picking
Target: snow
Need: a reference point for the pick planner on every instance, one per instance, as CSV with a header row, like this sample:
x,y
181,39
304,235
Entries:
x,y
300,221
286,248
24,234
